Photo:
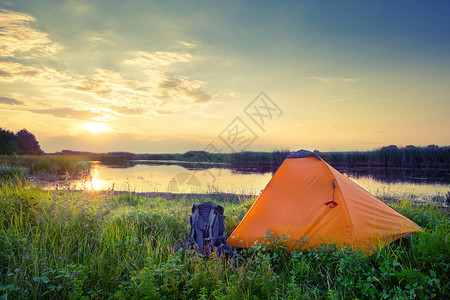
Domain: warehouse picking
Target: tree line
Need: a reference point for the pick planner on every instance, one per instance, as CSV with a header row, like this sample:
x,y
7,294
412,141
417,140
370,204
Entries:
x,y
21,143
431,156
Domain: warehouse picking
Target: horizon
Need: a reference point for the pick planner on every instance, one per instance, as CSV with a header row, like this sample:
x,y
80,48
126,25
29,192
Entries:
x,y
282,150
153,77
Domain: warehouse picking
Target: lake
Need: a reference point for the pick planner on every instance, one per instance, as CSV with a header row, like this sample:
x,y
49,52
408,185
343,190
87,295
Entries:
x,y
183,177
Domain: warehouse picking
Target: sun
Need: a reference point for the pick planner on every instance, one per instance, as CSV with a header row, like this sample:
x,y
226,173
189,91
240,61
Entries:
x,y
94,127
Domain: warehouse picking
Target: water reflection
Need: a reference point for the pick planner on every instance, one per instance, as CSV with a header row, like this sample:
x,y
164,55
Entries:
x,y
94,181
185,182
377,187
213,178
400,175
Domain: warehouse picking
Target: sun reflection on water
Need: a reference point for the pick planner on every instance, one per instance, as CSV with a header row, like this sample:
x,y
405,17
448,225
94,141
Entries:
x,y
94,182
97,184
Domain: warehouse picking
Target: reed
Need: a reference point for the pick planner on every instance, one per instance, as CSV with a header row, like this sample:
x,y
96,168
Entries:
x,y
47,164
392,156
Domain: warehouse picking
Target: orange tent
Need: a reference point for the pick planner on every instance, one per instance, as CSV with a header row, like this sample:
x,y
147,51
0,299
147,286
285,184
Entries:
x,y
307,198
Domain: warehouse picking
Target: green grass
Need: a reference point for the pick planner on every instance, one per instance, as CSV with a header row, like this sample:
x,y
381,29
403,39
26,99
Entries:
x,y
8,172
84,245
47,164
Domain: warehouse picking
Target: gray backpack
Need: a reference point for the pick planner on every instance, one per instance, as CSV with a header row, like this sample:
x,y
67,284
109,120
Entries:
x,y
208,232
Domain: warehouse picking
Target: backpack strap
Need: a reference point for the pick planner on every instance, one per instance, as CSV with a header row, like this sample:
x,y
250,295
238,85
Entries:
x,y
216,227
193,222
197,228
212,222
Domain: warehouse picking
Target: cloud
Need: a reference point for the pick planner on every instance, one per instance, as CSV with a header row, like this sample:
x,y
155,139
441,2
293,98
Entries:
x,y
198,95
100,38
139,97
106,84
17,36
113,92
65,112
178,87
128,97
175,89
128,111
151,62
10,101
186,44
78,8
339,81
11,71
162,90
164,111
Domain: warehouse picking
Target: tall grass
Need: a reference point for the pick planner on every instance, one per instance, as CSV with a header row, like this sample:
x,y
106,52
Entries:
x,y
8,172
84,245
47,164
431,156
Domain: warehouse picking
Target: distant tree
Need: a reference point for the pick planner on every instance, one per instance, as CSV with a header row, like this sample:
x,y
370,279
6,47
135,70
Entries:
x,y
8,143
196,156
27,143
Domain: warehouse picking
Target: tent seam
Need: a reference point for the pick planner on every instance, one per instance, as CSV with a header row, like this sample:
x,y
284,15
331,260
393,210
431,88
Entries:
x,y
351,226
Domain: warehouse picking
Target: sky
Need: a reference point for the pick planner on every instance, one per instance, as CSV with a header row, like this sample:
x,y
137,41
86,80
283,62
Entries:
x,y
172,76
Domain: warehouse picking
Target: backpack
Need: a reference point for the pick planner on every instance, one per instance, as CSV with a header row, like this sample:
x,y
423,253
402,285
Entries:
x,y
208,232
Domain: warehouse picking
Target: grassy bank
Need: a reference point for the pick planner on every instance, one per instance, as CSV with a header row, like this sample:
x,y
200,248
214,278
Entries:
x,y
56,244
